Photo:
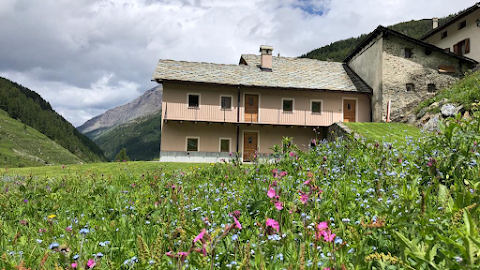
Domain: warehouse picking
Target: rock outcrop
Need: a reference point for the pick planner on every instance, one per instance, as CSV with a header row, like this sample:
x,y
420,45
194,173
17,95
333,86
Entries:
x,y
148,104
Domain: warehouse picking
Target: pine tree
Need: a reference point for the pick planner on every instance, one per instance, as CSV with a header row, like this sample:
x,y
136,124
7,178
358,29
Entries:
x,y
122,155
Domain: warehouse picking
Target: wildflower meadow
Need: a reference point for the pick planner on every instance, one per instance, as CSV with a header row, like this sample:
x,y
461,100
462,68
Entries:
x,y
349,204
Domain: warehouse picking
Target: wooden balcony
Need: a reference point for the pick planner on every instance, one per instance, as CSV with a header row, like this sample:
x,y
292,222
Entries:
x,y
266,116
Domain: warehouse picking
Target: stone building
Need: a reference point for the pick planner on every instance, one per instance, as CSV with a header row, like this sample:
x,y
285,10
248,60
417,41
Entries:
x,y
403,70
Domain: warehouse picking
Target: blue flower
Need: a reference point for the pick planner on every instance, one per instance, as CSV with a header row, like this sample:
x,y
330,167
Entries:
x,y
53,245
84,231
76,256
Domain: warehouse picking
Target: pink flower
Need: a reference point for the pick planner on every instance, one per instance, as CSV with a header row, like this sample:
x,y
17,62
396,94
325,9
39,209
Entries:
x,y
237,223
326,268
328,236
91,263
63,166
68,229
271,193
322,226
169,254
183,255
279,205
236,213
304,198
282,174
292,154
74,265
199,236
274,224
306,182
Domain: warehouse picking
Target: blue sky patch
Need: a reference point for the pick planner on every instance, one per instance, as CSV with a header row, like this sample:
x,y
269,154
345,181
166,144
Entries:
x,y
313,7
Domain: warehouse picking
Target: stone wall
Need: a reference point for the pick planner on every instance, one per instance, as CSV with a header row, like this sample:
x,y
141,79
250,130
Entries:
x,y
368,65
420,70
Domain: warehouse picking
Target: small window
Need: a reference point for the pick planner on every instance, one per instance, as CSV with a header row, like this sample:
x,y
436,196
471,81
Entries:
x,y
410,87
432,88
316,106
193,100
462,25
444,35
408,53
288,105
462,47
224,145
192,144
226,103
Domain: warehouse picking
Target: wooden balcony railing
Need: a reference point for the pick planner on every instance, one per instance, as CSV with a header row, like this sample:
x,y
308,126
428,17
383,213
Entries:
x,y
214,113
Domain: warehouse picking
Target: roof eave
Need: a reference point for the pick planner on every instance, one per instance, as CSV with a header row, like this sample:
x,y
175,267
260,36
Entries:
x,y
451,21
267,87
383,29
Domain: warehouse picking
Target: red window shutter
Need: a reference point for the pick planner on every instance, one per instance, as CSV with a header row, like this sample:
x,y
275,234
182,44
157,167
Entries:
x,y
467,45
455,48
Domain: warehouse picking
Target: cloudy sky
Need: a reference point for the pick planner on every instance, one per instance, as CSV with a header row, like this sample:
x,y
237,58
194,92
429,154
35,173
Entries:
x,y
87,56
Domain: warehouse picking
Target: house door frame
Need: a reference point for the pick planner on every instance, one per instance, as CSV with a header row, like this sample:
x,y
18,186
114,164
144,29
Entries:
x,y
356,107
245,103
243,142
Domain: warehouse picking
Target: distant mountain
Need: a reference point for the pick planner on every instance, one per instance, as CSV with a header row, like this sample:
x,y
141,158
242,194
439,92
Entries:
x,y
149,103
337,51
32,110
134,126
140,136
22,145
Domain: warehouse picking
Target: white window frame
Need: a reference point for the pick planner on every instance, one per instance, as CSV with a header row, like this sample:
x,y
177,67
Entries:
x,y
321,106
231,102
293,105
229,144
199,100
186,143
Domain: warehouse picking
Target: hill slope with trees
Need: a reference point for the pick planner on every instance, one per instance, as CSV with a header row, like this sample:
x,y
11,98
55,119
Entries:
x,y
31,109
22,145
337,51
140,137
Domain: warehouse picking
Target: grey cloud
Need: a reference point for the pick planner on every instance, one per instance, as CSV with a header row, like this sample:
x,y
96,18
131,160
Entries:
x,y
87,56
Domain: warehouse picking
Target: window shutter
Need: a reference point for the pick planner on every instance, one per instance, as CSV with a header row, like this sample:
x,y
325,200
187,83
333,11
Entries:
x,y
455,48
467,45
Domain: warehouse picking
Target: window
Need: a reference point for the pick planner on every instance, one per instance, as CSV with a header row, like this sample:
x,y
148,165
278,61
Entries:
x,y
192,144
462,25
462,47
447,49
316,106
432,88
193,100
444,35
408,53
226,102
224,145
287,105
410,87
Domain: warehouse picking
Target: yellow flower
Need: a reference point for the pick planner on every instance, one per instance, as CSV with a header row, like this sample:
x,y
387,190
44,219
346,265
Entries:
x,y
52,216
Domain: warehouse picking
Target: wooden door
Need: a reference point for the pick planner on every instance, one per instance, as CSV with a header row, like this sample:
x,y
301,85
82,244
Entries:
x,y
349,110
250,145
251,108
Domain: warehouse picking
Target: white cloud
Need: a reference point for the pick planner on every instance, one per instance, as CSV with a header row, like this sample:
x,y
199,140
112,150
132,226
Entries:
x,y
86,56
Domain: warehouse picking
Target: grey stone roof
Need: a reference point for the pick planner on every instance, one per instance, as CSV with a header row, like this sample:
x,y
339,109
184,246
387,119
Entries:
x,y
294,73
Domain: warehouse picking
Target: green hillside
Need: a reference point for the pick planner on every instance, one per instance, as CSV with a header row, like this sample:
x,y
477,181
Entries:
x,y
22,145
337,51
31,109
141,138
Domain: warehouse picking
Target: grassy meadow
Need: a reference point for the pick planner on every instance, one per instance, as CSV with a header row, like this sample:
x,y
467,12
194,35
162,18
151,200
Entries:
x,y
395,133
341,205
22,146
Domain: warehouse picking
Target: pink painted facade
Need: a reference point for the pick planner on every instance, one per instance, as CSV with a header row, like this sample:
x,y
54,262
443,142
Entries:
x,y
208,123
270,102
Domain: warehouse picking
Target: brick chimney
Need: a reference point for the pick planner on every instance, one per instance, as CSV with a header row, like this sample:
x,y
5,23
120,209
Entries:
x,y
266,57
435,23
